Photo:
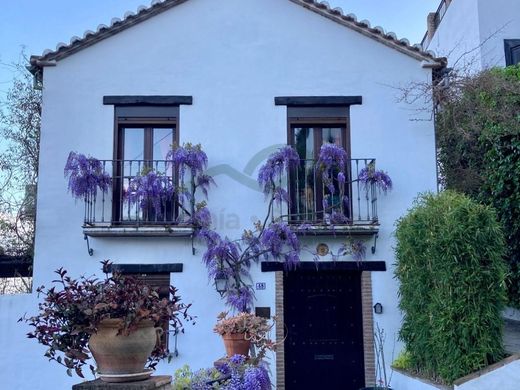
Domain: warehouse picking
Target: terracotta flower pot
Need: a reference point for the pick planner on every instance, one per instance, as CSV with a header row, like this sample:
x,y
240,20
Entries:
x,y
236,344
121,358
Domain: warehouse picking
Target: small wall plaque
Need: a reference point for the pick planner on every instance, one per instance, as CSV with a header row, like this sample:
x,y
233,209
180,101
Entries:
x,y
260,286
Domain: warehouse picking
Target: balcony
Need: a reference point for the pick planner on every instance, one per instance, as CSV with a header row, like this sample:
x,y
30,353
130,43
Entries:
x,y
318,208
126,211
351,208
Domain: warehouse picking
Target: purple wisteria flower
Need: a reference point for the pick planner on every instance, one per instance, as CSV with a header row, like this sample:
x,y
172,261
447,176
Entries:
x,y
331,161
275,167
356,249
380,179
332,155
86,175
152,189
241,298
190,157
281,242
201,218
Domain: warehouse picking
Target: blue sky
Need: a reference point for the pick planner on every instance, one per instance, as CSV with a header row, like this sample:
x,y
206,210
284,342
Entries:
x,y
40,24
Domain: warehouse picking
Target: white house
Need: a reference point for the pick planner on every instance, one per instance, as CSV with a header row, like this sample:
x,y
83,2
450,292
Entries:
x,y
475,34
241,77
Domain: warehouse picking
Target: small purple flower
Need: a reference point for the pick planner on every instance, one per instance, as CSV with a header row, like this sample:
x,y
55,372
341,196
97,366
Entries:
x,y
332,156
278,238
201,218
380,179
86,175
237,359
241,298
190,157
359,250
276,166
153,189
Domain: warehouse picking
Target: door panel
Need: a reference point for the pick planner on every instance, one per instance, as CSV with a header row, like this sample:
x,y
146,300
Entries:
x,y
324,344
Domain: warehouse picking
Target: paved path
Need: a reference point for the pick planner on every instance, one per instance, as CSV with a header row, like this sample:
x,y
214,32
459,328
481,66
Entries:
x,y
512,336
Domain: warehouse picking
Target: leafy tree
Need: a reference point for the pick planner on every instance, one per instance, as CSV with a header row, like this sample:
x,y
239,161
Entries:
x,y
20,114
478,139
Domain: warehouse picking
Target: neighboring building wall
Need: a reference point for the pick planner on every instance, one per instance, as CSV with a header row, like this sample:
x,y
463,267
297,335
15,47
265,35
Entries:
x,y
471,33
233,57
458,36
498,20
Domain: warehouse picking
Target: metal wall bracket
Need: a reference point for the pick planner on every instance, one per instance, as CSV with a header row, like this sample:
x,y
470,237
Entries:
x,y
375,243
89,249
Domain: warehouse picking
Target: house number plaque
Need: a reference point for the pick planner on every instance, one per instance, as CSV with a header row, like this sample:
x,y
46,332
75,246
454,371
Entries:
x,y
260,286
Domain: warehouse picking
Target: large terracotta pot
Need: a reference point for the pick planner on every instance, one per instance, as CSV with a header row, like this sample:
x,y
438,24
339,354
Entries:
x,y
236,344
121,358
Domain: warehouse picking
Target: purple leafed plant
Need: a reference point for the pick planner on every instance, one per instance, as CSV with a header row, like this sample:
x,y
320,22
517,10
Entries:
x,y
72,310
370,176
86,175
153,189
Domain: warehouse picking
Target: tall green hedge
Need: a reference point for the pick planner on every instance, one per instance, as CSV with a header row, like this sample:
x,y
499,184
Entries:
x,y
450,265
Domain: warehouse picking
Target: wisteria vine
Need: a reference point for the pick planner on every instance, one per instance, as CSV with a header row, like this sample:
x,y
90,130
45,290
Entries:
x,y
85,175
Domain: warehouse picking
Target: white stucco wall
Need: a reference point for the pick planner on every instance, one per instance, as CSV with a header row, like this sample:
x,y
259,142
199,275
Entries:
x,y
233,57
458,36
401,381
499,20
472,32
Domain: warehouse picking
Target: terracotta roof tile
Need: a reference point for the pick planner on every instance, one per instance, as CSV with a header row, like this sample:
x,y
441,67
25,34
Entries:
x,y
158,6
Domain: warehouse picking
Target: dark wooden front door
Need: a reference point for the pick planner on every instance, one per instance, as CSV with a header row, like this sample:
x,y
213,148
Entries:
x,y
324,344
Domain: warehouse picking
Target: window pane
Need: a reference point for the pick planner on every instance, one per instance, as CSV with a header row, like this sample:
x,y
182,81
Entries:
x,y
162,142
134,143
332,135
515,55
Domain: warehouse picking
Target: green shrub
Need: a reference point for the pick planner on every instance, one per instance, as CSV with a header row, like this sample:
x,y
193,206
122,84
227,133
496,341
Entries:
x,y
452,285
403,361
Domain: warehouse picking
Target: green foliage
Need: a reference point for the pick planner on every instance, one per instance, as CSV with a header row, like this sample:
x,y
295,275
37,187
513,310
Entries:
x,y
20,113
478,137
452,285
403,361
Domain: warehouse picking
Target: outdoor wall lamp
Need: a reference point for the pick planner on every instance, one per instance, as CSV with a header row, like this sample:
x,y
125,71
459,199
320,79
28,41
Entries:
x,y
221,283
378,308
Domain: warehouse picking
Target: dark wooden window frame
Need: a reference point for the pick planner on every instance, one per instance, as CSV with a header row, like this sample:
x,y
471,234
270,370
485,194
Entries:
x,y
509,46
148,123
320,122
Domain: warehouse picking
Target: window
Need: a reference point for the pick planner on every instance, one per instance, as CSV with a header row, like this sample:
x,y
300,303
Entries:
x,y
160,282
144,136
157,276
512,49
309,129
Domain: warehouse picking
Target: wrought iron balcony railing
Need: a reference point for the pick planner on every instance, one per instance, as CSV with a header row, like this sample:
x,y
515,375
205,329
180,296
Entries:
x,y
313,201
152,201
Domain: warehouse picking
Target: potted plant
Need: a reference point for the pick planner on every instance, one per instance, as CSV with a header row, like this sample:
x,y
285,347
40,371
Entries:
x,y
114,319
86,175
242,330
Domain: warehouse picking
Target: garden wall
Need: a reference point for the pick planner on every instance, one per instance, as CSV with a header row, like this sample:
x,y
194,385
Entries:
x,y
504,375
